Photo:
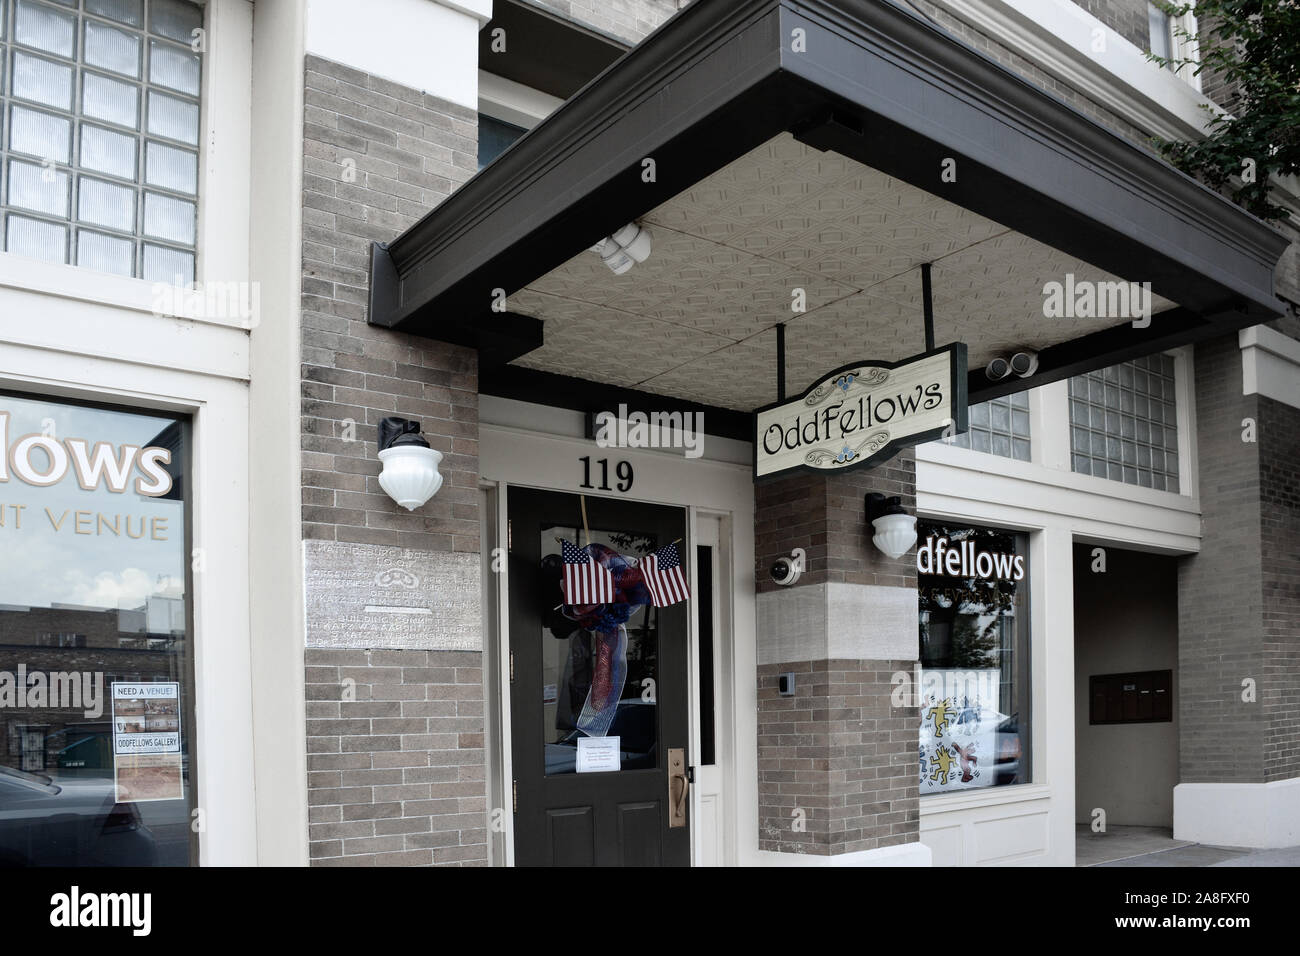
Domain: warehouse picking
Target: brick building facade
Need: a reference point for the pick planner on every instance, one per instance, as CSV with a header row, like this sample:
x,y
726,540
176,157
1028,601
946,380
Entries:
x,y
423,203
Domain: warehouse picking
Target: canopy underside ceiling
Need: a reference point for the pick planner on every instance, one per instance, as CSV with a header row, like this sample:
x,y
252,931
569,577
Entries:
x,y
695,321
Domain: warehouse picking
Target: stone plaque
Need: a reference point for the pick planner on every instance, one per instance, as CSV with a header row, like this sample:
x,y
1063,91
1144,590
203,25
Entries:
x,y
368,596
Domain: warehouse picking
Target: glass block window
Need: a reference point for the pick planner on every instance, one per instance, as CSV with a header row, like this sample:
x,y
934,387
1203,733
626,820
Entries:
x,y
1124,423
99,134
999,427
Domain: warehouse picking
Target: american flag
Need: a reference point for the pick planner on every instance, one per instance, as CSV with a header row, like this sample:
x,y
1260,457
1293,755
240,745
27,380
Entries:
x,y
585,581
663,576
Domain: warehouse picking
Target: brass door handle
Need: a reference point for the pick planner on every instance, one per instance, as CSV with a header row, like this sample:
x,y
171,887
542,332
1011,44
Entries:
x,y
678,787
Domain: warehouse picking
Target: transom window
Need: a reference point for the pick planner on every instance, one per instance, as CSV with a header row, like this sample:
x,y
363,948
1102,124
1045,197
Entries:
x,y
99,134
1124,423
999,427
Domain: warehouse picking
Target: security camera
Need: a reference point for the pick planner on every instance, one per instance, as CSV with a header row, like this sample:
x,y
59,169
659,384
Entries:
x,y
1024,364
998,369
786,571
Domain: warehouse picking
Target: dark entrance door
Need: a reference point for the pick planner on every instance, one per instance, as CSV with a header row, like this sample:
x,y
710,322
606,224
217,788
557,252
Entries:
x,y
572,807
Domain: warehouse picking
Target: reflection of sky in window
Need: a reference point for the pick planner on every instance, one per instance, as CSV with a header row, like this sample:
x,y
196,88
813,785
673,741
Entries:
x,y
40,566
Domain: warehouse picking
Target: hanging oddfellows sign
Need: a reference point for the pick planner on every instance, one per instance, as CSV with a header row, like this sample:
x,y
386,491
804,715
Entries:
x,y
863,413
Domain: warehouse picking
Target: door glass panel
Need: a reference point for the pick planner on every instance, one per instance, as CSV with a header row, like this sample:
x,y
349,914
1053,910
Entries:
x,y
599,662
704,603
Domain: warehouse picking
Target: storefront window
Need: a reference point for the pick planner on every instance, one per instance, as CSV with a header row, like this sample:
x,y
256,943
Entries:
x,y
96,672
974,679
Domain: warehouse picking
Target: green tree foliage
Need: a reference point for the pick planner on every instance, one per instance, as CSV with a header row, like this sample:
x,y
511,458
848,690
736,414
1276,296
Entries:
x,y
974,647
1254,44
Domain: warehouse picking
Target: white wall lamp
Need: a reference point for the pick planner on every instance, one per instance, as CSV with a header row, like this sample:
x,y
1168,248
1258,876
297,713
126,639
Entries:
x,y
625,248
410,467
895,528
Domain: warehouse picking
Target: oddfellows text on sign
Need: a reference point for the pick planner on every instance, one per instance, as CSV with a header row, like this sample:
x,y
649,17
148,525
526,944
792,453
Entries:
x,y
863,413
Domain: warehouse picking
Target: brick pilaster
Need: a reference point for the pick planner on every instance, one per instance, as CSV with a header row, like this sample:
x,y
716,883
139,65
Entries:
x,y
837,762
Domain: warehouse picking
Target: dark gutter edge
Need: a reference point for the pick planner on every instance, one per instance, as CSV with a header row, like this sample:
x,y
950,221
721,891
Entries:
x,y
507,337
946,53
694,37
563,391
384,285
646,67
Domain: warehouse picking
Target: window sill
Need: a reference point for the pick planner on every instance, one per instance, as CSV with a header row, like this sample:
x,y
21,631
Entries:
x,y
994,796
101,288
936,453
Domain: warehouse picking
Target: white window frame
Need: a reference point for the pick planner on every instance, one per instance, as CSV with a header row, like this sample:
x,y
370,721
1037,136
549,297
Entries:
x,y
221,248
513,102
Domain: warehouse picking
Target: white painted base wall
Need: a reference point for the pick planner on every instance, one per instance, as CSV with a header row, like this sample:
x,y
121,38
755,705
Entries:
x,y
1009,826
1257,815
909,854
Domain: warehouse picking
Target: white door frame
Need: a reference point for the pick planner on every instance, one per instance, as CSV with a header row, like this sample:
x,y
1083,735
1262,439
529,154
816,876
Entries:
x,y
719,498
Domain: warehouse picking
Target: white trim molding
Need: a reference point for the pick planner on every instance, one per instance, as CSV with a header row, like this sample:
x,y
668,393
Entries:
x,y
420,44
1270,365
513,102
1256,815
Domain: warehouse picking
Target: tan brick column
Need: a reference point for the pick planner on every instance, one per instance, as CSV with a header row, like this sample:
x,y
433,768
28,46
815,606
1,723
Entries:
x,y
837,764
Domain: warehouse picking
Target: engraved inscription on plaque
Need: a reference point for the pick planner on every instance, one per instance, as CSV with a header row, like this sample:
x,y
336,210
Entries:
x,y
367,596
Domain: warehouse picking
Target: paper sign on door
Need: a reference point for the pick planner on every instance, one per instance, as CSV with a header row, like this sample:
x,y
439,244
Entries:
x,y
598,754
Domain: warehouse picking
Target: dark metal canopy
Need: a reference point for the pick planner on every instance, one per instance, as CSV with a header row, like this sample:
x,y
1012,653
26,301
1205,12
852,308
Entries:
x,y
869,80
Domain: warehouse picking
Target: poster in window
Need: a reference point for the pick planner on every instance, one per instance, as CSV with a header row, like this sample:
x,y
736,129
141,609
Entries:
x,y
147,742
959,729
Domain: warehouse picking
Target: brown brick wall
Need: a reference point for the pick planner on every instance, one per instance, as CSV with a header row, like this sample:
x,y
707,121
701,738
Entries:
x,y
1279,471
378,156
395,774
1220,601
1239,599
838,751
826,516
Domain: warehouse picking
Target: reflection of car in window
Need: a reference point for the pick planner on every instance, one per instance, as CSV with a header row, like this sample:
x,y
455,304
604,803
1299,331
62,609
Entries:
x,y
71,823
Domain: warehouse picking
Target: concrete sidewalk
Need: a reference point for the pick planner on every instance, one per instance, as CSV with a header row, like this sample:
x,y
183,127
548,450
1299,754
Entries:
x,y
1156,846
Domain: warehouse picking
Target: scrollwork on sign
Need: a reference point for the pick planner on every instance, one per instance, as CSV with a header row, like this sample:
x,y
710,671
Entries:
x,y
868,376
396,577
826,458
